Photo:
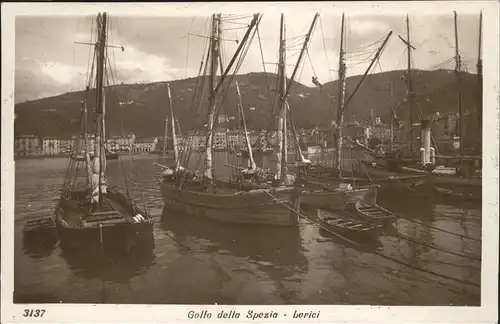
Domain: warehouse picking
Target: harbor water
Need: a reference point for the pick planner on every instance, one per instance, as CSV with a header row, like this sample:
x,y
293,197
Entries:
x,y
197,261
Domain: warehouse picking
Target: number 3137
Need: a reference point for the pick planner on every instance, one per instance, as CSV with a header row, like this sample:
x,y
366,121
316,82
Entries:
x,y
34,312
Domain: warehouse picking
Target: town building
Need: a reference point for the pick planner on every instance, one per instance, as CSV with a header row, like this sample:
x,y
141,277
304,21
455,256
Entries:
x,y
50,146
143,145
220,139
26,145
66,145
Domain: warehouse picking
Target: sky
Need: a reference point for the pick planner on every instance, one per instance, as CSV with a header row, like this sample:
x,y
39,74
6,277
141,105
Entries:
x,y
163,48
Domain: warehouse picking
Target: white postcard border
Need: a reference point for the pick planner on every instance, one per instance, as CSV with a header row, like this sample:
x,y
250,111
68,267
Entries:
x,y
12,313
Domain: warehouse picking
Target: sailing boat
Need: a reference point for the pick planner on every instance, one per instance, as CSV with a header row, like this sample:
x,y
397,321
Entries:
x,y
204,196
464,181
390,181
331,197
94,212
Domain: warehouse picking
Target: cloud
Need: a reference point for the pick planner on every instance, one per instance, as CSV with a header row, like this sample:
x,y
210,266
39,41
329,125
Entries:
x,y
60,72
49,62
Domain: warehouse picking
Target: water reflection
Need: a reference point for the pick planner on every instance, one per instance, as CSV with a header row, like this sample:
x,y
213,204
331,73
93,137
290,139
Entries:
x,y
264,244
89,262
231,264
365,245
41,243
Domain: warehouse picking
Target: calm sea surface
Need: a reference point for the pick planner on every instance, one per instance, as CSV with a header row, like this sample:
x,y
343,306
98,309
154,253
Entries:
x,y
198,261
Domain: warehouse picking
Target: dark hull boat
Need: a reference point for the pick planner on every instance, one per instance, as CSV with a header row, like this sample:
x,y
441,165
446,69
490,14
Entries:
x,y
456,187
89,211
340,222
331,198
390,184
396,184
115,224
274,206
39,237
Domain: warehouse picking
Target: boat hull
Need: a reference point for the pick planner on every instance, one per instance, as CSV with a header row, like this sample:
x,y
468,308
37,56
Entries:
x,y
396,184
120,233
116,238
332,199
269,207
345,225
374,214
458,187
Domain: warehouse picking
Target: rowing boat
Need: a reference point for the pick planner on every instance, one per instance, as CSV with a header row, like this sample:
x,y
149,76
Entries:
x,y
374,213
340,222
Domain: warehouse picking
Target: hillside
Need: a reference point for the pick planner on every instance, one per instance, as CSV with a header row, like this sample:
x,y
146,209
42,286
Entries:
x,y
144,107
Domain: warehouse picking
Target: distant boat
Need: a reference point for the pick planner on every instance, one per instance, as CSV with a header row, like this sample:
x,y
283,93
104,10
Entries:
x,y
110,155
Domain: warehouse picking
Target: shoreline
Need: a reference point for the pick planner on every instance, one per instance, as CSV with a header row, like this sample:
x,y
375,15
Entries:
x,y
53,156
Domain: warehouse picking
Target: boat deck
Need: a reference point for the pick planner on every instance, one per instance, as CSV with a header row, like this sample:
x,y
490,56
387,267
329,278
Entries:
x,y
78,212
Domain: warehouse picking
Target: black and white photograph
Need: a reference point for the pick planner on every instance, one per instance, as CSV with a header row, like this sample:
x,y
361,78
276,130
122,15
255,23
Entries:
x,y
250,161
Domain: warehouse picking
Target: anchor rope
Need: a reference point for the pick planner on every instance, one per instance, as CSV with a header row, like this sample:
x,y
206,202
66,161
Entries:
x,y
379,253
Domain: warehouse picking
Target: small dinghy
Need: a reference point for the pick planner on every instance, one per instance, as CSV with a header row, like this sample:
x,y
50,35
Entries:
x,y
347,226
39,237
374,213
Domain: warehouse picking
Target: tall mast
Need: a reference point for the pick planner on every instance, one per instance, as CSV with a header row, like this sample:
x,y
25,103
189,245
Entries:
x,y
282,149
247,140
174,136
340,105
86,138
99,165
409,81
391,92
214,58
480,78
164,152
284,89
458,67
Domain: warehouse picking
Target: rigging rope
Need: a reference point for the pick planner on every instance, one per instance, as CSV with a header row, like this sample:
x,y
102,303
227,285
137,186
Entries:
x,y
271,103
374,252
324,47
187,47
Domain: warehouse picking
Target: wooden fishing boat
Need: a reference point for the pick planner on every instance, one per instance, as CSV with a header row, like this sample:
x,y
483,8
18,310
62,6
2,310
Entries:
x,y
374,213
459,182
274,206
452,185
204,196
91,212
338,192
336,197
341,223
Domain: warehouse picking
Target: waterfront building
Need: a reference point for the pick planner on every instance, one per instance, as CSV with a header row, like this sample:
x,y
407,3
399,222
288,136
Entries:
x,y
143,145
220,139
66,145
50,146
26,145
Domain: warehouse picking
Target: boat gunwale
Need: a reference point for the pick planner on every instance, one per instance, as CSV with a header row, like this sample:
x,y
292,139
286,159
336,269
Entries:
x,y
366,226
387,216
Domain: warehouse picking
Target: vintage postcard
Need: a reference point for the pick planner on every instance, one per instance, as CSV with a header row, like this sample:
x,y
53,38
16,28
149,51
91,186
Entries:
x,y
250,162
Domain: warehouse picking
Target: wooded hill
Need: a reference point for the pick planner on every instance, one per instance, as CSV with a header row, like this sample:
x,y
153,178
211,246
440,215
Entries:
x,y
144,107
